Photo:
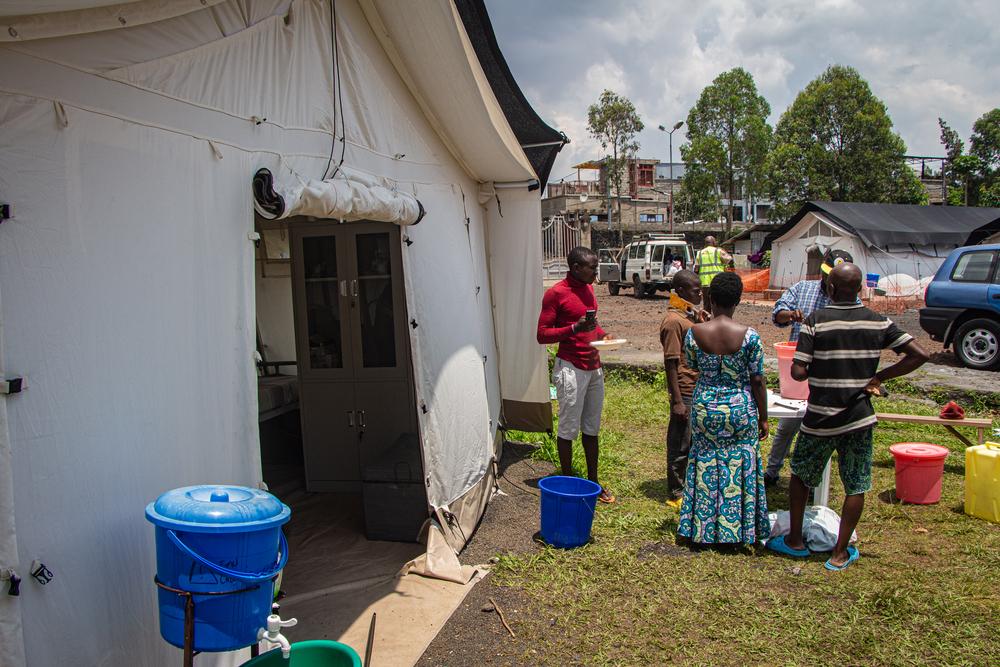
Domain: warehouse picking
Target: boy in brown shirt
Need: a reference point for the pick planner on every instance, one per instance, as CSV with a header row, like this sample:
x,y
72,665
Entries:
x,y
680,379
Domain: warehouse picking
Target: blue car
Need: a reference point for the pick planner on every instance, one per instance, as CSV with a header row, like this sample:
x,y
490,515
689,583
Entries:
x,y
963,306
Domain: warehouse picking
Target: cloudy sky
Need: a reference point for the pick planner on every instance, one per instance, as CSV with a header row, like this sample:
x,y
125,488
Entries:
x,y
923,58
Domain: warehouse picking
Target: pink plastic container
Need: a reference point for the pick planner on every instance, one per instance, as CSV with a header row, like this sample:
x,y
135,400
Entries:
x,y
919,469
787,387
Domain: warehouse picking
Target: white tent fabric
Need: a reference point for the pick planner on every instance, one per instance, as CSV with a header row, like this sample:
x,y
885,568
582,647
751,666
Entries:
x,y
28,21
517,295
456,99
11,638
789,254
131,314
128,277
343,197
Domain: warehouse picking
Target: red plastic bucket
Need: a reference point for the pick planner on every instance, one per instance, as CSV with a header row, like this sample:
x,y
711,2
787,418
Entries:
x,y
919,469
787,387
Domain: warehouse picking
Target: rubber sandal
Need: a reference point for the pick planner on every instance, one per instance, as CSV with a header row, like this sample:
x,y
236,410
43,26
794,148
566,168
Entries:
x,y
777,545
852,555
606,498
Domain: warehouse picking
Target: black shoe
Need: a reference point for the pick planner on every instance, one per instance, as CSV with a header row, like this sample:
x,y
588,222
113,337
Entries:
x,y
769,481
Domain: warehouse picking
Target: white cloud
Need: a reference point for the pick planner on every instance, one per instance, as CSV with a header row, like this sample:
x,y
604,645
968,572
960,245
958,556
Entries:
x,y
924,59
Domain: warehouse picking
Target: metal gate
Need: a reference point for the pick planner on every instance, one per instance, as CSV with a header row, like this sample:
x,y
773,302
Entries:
x,y
558,238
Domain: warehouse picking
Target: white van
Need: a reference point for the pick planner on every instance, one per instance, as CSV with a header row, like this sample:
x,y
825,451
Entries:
x,y
647,264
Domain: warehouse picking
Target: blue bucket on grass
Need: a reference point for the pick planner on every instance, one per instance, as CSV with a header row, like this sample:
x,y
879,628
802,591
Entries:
x,y
567,506
212,539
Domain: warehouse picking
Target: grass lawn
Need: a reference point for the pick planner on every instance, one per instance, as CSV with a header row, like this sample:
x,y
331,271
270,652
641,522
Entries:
x,y
925,590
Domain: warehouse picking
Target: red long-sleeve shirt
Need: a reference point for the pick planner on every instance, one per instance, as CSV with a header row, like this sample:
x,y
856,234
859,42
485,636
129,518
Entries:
x,y
562,306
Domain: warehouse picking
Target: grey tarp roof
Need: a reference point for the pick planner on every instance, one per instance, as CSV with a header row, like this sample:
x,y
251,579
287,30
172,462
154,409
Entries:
x,y
902,224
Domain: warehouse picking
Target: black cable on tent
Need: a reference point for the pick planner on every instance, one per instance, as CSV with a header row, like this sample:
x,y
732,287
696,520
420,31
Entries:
x,y
338,94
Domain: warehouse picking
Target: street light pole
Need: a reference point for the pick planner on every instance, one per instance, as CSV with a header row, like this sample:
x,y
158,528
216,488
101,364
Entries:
x,y
670,134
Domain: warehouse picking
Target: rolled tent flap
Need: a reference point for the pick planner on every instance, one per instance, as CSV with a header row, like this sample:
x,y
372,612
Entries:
x,y
344,197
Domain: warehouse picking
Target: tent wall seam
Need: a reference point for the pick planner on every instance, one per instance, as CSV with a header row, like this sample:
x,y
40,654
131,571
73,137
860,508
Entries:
x,y
222,142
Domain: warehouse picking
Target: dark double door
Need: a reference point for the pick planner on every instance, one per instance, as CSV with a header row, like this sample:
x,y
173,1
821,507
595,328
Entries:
x,y
355,383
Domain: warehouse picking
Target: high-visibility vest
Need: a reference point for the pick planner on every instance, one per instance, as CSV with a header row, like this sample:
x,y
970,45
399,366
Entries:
x,y
709,264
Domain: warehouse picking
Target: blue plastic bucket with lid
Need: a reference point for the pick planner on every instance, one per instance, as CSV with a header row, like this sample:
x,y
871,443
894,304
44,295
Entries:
x,y
567,510
211,540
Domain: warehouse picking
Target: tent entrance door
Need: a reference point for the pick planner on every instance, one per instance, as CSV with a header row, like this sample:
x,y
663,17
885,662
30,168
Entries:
x,y
352,347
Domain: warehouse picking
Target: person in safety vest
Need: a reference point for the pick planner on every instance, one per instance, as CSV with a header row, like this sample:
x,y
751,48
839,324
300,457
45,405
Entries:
x,y
708,263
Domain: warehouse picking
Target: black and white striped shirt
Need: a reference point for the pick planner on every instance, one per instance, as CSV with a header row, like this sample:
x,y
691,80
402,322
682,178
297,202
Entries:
x,y
840,346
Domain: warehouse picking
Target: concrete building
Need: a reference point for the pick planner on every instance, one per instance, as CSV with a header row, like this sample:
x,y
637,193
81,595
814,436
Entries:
x,y
581,207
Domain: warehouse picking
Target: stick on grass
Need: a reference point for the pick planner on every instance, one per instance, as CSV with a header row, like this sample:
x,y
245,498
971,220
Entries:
x,y
502,618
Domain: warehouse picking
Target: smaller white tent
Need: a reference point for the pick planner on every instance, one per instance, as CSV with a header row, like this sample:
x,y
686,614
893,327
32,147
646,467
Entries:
x,y
904,245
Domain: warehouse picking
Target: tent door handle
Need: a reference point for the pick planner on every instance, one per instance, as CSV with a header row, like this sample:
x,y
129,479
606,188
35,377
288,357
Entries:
x,y
350,418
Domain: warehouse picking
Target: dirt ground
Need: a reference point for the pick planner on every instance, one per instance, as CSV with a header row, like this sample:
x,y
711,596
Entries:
x,y
502,530
638,320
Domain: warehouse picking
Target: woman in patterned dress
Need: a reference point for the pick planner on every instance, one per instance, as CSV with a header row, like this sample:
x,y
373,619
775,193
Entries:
x,y
724,501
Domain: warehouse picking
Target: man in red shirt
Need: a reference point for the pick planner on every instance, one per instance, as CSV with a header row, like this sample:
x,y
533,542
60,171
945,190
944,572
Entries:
x,y
569,317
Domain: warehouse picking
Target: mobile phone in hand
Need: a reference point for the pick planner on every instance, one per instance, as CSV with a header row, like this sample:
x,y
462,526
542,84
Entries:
x,y
591,315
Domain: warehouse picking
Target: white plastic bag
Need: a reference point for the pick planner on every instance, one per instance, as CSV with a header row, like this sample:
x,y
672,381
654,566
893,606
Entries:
x,y
819,527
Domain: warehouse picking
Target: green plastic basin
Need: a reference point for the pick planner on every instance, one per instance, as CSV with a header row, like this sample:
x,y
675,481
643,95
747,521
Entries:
x,y
312,653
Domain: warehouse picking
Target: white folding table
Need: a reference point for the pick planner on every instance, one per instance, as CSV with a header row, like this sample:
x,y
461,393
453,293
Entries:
x,y
786,407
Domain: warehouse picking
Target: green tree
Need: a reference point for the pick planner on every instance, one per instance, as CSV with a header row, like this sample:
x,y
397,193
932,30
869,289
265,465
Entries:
x,y
613,121
974,177
697,198
984,144
959,167
953,144
835,142
728,139
985,141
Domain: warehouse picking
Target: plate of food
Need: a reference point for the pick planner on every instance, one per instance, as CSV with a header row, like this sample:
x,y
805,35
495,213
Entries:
x,y
609,344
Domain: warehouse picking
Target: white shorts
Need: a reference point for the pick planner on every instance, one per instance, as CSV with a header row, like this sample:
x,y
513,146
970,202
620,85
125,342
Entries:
x,y
581,398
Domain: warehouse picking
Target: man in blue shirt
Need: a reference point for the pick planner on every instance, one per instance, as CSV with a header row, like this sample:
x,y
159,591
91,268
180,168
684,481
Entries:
x,y
797,303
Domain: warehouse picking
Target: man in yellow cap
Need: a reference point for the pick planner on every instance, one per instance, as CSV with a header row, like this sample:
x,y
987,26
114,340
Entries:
x,y
796,304
708,263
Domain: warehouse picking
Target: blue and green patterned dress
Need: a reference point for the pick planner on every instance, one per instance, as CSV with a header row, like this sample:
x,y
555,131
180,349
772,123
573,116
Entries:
x,y
724,500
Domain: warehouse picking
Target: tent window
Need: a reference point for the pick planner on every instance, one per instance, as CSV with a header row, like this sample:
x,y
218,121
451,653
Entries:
x,y
973,267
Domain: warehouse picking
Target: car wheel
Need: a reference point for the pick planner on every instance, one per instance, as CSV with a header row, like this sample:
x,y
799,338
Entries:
x,y
613,288
977,344
638,291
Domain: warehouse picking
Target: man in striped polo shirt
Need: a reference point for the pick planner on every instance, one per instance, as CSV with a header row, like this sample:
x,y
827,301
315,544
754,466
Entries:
x,y
838,352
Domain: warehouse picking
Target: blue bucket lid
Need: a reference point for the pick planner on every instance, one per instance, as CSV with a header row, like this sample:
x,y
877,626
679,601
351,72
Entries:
x,y
217,509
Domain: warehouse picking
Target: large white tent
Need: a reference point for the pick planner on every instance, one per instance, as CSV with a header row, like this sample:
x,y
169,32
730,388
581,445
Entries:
x,y
129,137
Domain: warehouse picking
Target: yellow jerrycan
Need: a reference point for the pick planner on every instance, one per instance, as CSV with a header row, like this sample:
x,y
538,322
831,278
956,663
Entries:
x,y
982,481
